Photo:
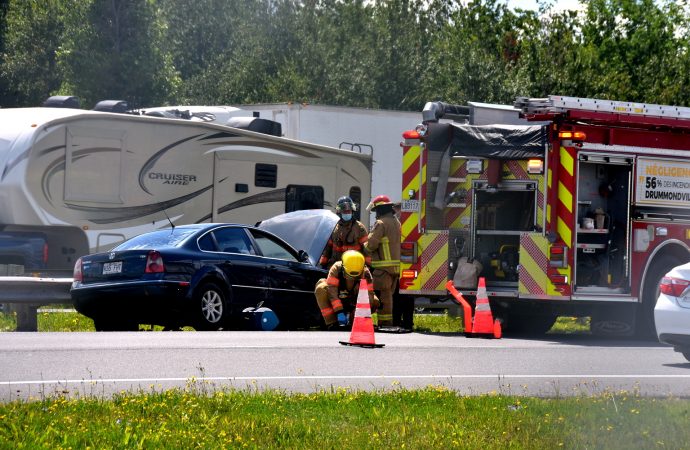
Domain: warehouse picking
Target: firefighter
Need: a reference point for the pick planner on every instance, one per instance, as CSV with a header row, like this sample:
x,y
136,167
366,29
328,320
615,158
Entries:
x,y
337,294
384,247
348,234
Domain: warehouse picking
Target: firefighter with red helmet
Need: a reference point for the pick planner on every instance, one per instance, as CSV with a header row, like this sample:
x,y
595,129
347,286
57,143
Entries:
x,y
337,294
348,234
384,247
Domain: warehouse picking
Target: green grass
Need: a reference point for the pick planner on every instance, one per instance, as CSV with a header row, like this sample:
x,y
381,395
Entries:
x,y
424,323
198,417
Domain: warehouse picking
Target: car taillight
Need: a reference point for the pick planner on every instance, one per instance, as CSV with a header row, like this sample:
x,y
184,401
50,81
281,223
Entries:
x,y
45,253
673,286
154,263
76,274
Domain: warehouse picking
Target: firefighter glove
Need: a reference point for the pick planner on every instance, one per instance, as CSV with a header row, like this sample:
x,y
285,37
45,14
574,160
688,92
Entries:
x,y
342,318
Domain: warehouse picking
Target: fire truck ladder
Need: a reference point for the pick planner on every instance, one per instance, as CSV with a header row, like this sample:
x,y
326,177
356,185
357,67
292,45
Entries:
x,y
556,104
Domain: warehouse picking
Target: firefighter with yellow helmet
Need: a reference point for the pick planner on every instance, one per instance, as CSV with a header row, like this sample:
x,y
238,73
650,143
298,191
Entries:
x,y
384,247
337,294
348,234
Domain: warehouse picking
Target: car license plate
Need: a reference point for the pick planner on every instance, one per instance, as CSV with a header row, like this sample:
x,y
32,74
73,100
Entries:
x,y
112,267
409,205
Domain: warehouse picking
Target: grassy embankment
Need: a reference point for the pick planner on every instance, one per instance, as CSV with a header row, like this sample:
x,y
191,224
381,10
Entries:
x,y
202,417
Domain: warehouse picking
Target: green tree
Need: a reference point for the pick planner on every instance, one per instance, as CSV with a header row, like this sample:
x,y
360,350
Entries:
x,y
32,34
473,55
112,50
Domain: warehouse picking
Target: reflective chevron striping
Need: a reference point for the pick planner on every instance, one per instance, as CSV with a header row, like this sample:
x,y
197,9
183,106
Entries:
x,y
533,277
434,269
566,187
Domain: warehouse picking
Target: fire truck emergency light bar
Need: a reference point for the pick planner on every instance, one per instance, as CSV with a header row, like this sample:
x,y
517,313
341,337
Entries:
x,y
561,104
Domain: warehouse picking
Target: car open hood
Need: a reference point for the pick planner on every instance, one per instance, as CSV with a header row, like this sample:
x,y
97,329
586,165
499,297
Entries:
x,y
307,230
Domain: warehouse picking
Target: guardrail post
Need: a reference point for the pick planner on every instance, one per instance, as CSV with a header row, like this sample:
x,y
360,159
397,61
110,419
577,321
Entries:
x,y
26,316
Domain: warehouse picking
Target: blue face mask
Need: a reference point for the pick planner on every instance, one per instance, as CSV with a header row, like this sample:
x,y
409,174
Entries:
x,y
347,217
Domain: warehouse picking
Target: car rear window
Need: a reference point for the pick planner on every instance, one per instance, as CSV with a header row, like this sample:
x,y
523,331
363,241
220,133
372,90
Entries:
x,y
157,239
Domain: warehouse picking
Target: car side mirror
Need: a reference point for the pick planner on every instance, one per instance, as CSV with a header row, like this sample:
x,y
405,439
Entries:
x,y
302,256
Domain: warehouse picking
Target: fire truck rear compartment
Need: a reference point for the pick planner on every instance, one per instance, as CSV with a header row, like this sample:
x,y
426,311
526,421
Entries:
x,y
501,213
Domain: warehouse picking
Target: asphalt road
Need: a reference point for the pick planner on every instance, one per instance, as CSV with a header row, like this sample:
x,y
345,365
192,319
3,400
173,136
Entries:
x,y
35,365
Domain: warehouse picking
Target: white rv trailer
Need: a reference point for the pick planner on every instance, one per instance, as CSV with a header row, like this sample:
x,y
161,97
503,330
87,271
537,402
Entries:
x,y
89,180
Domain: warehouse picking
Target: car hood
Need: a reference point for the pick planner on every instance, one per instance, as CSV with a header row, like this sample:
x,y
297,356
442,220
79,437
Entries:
x,y
307,230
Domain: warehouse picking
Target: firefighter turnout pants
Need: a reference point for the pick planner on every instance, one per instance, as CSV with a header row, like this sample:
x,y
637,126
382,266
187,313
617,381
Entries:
x,y
329,311
385,284
330,307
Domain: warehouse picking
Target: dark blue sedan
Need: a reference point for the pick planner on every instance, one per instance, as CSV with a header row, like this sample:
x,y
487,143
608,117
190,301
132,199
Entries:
x,y
200,275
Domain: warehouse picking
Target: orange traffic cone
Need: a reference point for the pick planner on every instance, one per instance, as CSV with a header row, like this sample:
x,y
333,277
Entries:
x,y
483,320
362,333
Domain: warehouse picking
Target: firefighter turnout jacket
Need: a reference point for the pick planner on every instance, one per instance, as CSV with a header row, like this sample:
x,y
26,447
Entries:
x,y
383,244
350,235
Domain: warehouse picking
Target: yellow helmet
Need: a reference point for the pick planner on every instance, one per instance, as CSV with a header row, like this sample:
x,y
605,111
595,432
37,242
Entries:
x,y
353,263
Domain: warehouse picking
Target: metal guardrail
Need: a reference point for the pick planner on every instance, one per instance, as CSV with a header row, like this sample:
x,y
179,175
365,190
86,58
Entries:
x,y
27,294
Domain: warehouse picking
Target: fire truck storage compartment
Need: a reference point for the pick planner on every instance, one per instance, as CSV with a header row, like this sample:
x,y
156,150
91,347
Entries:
x,y
501,213
602,228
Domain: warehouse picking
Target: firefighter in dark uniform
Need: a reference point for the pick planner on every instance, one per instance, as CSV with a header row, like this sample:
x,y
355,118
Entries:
x,y
348,234
337,294
384,247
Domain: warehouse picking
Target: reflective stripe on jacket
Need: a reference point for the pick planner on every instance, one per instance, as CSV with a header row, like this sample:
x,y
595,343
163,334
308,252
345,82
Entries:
x,y
384,244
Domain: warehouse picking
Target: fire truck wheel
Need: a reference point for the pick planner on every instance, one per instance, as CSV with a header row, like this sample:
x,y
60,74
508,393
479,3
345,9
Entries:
x,y
644,326
529,325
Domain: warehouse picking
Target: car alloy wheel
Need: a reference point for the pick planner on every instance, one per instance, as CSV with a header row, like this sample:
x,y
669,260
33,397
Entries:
x,y
212,307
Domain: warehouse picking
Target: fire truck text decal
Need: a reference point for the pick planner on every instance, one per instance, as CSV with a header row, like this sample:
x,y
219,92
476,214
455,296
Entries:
x,y
662,182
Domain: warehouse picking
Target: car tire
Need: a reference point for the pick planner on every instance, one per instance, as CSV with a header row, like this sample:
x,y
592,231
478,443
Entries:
x,y
212,309
644,326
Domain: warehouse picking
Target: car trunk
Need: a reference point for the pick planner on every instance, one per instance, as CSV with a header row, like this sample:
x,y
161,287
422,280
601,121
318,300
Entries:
x,y
126,265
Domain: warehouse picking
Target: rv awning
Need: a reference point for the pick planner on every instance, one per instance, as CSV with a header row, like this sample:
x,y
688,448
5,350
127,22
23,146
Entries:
x,y
498,141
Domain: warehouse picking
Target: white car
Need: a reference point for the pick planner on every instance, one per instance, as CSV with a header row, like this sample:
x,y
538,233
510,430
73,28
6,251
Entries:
x,y
672,310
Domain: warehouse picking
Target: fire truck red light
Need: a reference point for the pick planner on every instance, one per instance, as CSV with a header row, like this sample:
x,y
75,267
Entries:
x,y
411,134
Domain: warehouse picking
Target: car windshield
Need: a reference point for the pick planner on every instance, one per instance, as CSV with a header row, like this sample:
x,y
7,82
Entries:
x,y
157,239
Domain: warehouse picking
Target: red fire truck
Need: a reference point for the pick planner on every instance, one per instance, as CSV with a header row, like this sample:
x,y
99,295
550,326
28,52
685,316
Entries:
x,y
579,213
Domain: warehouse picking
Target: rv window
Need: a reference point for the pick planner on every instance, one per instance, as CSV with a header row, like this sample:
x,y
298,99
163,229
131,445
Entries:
x,y
299,197
266,175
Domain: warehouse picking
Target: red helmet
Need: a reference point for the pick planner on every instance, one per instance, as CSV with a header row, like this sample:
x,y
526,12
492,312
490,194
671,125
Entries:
x,y
379,200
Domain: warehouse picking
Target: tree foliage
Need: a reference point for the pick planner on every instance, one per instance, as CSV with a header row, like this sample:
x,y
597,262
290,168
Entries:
x,y
394,54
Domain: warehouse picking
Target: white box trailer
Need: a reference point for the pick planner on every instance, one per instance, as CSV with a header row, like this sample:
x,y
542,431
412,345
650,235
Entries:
x,y
378,132
89,180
